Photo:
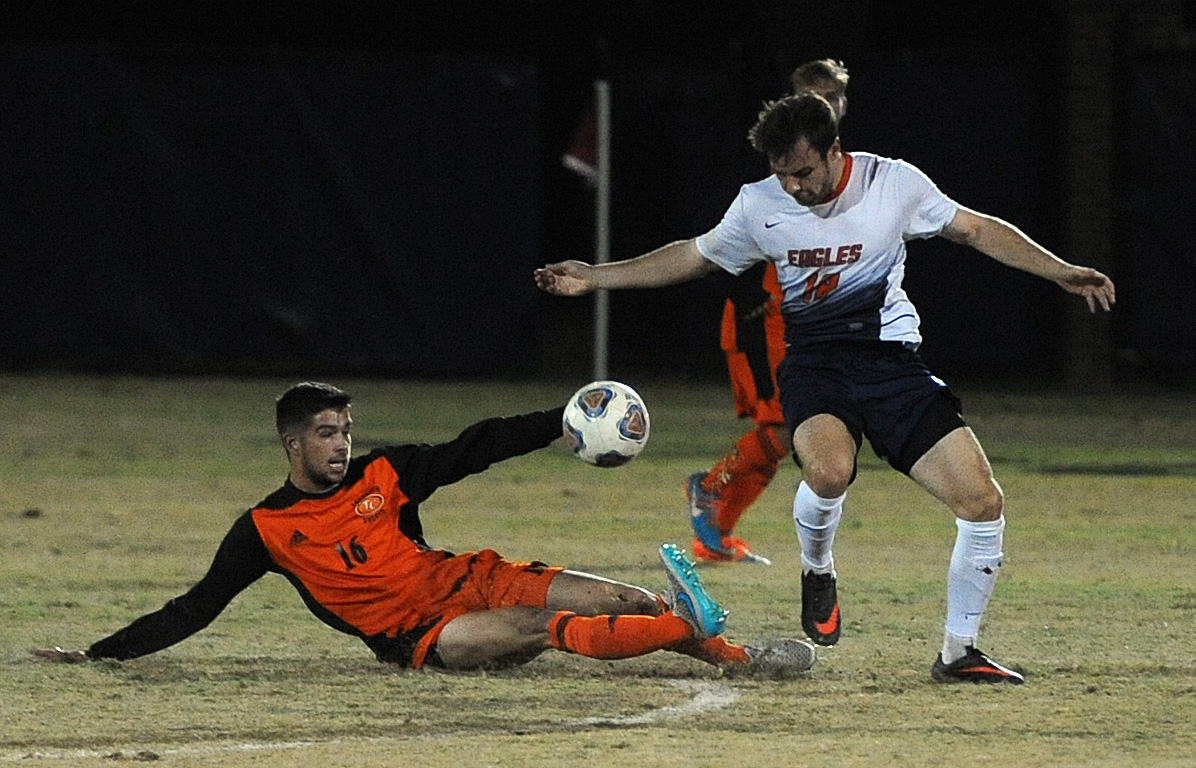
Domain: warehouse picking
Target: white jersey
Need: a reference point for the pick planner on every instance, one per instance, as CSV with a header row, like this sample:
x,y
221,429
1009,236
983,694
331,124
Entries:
x,y
840,263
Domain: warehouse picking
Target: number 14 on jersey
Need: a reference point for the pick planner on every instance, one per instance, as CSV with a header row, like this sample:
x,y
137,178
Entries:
x,y
818,286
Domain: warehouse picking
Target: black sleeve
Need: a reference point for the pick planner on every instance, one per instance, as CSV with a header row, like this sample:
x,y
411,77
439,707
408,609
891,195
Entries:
x,y
241,560
424,468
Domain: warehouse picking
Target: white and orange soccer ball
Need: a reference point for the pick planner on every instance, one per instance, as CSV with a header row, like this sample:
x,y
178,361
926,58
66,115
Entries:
x,y
606,423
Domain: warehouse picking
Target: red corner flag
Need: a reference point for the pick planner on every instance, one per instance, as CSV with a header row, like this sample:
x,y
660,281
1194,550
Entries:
x,y
582,157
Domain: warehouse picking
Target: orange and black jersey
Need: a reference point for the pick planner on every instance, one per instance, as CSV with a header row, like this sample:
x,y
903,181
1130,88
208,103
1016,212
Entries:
x,y
353,552
752,324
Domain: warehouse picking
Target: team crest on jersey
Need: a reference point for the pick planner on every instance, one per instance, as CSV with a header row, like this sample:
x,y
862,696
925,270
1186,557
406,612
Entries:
x,y
371,506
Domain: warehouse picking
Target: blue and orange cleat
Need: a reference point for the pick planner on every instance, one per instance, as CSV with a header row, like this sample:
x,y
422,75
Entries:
x,y
687,597
703,512
732,549
710,543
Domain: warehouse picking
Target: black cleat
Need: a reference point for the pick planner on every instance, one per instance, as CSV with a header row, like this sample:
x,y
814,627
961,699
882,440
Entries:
x,y
974,667
820,607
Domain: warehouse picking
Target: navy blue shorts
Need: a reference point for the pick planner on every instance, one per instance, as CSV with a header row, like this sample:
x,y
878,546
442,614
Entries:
x,y
880,389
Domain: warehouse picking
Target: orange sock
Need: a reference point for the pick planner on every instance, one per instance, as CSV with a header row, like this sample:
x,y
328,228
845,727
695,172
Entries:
x,y
714,651
616,637
742,475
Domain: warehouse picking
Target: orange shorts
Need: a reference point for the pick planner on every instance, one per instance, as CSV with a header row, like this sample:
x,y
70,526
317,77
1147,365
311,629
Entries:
x,y
482,581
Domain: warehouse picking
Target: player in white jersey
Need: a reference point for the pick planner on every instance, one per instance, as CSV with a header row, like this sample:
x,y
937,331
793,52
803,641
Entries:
x,y
835,225
839,262
752,336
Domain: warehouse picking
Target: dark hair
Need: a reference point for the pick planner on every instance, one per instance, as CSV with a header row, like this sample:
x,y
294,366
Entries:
x,y
782,122
302,401
822,71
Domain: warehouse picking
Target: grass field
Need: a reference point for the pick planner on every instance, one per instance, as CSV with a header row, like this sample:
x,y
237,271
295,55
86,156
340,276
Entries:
x,y
116,492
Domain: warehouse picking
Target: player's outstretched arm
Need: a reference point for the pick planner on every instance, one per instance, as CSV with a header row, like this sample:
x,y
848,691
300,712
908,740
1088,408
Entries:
x,y
565,278
674,263
1009,245
1096,288
240,560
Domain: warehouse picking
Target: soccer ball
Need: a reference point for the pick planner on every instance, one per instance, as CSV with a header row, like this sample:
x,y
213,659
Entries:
x,y
605,423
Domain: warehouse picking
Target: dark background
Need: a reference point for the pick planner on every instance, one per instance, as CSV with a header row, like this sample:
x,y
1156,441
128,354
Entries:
x,y
366,189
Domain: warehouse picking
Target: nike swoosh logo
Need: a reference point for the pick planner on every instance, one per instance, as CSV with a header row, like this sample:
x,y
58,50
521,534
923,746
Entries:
x,y
828,626
987,670
770,224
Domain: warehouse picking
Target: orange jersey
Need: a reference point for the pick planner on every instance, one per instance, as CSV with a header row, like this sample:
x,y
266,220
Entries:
x,y
357,553
345,551
753,338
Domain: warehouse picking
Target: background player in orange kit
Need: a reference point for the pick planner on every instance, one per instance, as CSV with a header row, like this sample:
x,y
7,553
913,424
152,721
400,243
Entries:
x,y
753,338
346,533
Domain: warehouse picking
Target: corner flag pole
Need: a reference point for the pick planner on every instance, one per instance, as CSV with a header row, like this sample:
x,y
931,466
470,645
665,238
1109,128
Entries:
x,y
602,226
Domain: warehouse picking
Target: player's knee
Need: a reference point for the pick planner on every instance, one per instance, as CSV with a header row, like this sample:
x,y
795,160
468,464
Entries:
x,y
590,596
622,599
829,479
985,504
994,501
638,601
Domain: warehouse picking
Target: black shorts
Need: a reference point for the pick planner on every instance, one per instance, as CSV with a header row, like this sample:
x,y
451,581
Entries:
x,y
881,390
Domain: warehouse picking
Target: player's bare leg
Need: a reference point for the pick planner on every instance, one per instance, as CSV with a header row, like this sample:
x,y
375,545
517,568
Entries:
x,y
502,637
827,452
957,473
591,595
506,636
515,635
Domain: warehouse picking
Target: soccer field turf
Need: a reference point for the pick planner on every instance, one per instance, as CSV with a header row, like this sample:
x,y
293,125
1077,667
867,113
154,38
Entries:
x,y
117,491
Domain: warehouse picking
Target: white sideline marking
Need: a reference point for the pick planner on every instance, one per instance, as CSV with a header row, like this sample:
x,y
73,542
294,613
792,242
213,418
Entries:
x,y
707,697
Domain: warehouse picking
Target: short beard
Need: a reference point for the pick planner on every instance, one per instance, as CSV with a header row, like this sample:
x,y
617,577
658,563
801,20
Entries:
x,y
321,477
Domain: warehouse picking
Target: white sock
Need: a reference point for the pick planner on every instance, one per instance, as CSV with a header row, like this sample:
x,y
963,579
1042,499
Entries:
x,y
816,520
975,562
955,647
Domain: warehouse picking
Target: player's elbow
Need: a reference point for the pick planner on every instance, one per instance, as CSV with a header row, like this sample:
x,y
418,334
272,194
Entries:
x,y
972,229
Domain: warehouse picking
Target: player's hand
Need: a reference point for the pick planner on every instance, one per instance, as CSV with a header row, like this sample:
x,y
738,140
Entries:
x,y
566,278
1095,287
59,655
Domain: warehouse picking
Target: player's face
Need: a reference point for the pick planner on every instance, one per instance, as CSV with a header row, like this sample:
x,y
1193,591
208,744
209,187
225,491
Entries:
x,y
806,175
320,453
